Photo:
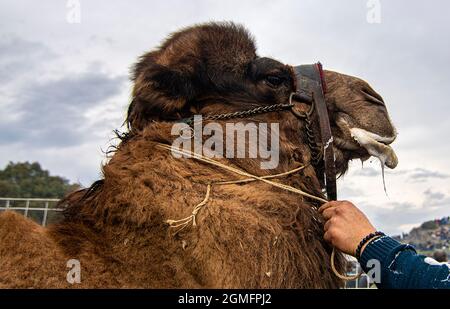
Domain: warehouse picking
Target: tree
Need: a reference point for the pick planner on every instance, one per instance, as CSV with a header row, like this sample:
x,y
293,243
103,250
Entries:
x,y
29,180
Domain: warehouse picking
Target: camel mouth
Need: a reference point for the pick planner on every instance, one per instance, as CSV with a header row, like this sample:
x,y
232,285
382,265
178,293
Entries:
x,y
364,144
376,146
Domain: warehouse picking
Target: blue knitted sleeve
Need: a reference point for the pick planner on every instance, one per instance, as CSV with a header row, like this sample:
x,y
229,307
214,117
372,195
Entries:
x,y
400,267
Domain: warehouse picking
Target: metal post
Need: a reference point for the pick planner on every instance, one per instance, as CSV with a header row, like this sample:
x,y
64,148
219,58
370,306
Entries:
x,y
44,220
357,279
27,205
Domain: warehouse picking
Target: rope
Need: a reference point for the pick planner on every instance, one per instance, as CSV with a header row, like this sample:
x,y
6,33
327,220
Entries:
x,y
183,223
339,275
240,172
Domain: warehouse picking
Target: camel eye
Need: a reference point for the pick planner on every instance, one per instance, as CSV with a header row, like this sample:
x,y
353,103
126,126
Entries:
x,y
274,81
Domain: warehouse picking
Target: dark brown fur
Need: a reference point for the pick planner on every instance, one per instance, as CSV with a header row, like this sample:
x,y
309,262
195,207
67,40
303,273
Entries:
x,y
248,235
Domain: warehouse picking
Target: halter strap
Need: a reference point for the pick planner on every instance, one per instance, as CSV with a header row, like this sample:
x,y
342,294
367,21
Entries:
x,y
311,87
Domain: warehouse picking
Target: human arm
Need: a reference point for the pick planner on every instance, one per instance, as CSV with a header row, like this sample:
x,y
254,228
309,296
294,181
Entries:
x,y
400,265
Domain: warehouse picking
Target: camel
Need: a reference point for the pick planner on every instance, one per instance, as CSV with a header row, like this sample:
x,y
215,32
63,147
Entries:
x,y
247,235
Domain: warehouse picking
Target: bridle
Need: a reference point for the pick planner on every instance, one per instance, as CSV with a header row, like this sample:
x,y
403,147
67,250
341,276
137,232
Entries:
x,y
310,88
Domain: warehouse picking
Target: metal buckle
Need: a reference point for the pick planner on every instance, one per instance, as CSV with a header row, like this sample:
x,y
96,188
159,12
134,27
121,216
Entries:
x,y
299,114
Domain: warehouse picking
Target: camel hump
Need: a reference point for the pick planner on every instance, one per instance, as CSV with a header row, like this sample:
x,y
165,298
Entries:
x,y
12,222
39,257
17,230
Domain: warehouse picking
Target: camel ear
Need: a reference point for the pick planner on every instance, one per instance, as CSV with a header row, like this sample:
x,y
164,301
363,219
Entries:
x,y
160,93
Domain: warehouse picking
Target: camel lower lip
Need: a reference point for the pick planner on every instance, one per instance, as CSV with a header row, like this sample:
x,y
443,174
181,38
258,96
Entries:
x,y
378,149
346,145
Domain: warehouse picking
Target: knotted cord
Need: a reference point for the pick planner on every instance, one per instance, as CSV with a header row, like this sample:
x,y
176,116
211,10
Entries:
x,y
183,223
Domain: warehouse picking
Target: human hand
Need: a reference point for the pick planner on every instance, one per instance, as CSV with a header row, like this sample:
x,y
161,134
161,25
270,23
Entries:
x,y
345,225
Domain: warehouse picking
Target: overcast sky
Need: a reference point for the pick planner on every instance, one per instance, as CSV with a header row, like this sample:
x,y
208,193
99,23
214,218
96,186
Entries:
x,y
64,86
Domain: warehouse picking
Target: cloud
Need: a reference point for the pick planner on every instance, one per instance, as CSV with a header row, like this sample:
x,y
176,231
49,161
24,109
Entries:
x,y
421,174
417,174
347,192
52,112
367,172
435,204
436,199
19,56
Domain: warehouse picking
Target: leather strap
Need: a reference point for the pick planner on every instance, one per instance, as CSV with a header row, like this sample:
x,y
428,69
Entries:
x,y
310,88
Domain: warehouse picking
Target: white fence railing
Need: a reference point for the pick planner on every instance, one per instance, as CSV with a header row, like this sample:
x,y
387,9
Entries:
x,y
363,282
37,209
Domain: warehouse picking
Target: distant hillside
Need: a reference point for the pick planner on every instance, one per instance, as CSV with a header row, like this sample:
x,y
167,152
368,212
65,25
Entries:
x,y
430,236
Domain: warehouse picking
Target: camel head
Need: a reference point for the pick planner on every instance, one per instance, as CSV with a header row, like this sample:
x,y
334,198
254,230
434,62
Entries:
x,y
359,120
214,69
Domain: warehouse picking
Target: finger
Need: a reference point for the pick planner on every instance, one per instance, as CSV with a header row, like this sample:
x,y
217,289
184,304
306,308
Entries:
x,y
327,205
328,213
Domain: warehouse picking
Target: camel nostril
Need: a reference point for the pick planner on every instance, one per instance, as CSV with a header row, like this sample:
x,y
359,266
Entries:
x,y
373,97
372,92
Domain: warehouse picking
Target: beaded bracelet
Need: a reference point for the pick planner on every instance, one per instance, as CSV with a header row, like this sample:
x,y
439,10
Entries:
x,y
365,240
